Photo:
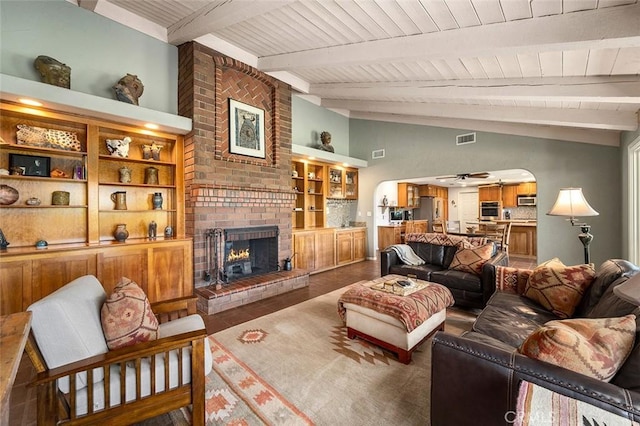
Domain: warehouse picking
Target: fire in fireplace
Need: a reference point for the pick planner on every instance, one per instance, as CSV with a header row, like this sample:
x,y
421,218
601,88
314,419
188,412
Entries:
x,y
249,251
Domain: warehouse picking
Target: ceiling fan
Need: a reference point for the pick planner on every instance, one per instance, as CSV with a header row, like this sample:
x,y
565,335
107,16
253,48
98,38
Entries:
x,y
465,176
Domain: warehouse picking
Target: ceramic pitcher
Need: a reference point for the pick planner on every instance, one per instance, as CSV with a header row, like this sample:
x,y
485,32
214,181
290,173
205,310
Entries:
x,y
120,199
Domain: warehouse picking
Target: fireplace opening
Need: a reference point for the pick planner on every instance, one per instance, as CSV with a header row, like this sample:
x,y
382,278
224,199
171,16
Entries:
x,y
249,251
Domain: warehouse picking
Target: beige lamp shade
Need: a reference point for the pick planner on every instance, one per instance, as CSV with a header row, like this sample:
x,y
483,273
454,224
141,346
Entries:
x,y
571,203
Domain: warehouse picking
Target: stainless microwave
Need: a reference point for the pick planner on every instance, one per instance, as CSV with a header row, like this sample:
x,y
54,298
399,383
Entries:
x,y
527,200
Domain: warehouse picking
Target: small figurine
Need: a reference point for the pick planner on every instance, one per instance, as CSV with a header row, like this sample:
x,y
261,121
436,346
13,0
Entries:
x,y
325,137
153,228
168,232
128,89
53,71
118,147
3,241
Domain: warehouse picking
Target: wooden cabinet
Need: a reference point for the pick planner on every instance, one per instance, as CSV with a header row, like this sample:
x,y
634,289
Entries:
x,y
510,196
323,249
79,233
162,270
522,241
307,182
389,235
350,246
408,195
527,188
342,183
489,193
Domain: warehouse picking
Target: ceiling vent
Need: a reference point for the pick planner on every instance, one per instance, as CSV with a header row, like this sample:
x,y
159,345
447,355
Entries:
x,y
378,153
466,139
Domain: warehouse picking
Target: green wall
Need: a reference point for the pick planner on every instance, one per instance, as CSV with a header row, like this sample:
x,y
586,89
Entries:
x,y
309,120
98,50
414,151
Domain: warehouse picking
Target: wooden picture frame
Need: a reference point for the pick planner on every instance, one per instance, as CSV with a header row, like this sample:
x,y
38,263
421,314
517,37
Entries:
x,y
31,165
246,130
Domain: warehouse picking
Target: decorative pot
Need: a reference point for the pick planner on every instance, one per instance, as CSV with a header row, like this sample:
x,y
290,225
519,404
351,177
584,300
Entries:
x,y
60,198
8,195
120,198
286,264
125,174
151,176
157,200
121,233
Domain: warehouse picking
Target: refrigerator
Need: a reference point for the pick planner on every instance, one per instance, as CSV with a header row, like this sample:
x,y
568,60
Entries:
x,y
431,208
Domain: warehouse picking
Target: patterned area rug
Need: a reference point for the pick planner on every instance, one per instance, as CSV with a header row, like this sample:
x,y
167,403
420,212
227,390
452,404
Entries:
x,y
297,367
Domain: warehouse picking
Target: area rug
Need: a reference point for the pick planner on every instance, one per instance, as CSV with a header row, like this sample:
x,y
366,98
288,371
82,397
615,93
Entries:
x,y
297,367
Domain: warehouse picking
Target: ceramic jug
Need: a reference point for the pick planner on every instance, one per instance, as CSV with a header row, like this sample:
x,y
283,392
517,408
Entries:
x,y
151,176
157,200
120,199
125,174
121,233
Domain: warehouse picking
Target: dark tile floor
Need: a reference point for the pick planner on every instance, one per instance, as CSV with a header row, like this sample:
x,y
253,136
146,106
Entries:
x,y
23,410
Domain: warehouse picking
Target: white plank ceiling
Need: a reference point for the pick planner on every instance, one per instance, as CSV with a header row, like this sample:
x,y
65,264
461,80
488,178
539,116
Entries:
x,y
559,69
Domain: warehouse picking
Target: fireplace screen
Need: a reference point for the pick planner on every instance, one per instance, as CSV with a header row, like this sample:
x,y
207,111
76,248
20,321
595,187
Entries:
x,y
250,251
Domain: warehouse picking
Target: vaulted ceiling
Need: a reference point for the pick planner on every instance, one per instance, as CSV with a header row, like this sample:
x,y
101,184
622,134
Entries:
x,y
558,69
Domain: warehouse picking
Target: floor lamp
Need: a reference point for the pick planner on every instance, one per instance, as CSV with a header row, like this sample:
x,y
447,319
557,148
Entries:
x,y
571,203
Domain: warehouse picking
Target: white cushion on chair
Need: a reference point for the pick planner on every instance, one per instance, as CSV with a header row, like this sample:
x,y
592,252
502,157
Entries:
x,y
67,327
183,325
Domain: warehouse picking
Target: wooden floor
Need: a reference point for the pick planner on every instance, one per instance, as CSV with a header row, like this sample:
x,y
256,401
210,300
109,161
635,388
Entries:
x,y
23,407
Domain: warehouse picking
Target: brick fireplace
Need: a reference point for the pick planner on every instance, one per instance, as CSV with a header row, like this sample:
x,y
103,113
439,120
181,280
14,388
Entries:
x,y
222,189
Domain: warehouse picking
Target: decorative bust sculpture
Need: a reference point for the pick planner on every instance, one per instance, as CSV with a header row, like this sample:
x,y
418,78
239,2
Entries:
x,y
128,89
325,138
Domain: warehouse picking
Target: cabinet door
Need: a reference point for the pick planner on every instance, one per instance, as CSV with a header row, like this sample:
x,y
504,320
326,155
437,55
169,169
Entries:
x,y
49,274
402,195
325,250
304,248
168,279
510,196
15,286
351,184
344,243
489,193
335,183
359,245
113,264
527,188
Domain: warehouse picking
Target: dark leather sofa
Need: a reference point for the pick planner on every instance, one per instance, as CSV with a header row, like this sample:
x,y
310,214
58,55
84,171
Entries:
x,y
468,289
484,369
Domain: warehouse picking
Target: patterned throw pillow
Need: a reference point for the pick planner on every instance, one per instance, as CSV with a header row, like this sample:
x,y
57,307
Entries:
x,y
472,259
126,316
593,347
559,288
511,280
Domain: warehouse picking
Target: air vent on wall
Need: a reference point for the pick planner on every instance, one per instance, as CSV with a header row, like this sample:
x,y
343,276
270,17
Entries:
x,y
466,139
378,153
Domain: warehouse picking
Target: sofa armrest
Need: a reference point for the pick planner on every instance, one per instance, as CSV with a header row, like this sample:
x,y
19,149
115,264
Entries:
x,y
388,258
489,274
487,378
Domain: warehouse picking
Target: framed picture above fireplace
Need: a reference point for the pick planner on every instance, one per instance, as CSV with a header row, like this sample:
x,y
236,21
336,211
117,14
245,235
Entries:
x,y
246,130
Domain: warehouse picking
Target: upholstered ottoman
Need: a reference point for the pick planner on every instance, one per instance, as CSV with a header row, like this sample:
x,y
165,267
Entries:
x,y
392,317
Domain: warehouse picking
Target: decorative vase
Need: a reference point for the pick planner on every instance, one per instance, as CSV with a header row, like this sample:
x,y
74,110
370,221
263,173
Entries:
x,y
151,176
125,174
8,195
120,198
121,233
60,198
157,200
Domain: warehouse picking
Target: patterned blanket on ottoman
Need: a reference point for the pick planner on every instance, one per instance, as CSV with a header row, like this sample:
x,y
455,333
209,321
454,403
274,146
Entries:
x,y
412,310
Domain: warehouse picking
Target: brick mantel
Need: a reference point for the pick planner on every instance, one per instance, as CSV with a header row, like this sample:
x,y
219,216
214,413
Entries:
x,y
225,190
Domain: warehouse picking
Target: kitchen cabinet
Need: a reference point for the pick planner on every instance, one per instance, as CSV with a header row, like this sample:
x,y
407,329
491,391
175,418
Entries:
x,y
408,195
510,196
79,234
523,240
342,183
307,183
389,235
527,188
489,193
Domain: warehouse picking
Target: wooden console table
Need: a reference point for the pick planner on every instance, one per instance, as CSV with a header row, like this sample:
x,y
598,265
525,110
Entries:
x,y
14,330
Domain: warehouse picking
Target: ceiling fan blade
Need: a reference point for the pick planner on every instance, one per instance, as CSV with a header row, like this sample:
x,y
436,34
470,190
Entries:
x,y
482,175
448,177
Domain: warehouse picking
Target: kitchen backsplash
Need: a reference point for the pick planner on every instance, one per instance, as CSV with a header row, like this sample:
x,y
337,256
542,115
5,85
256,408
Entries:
x,y
340,213
528,213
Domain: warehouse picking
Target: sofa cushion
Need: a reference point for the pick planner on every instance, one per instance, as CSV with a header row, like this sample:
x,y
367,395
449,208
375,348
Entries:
x,y
431,253
472,259
66,326
511,280
511,318
610,271
422,272
127,317
610,305
557,287
457,280
593,347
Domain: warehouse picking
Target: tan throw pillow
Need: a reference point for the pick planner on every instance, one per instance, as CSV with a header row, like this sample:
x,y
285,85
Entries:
x,y
126,316
472,259
594,347
557,287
